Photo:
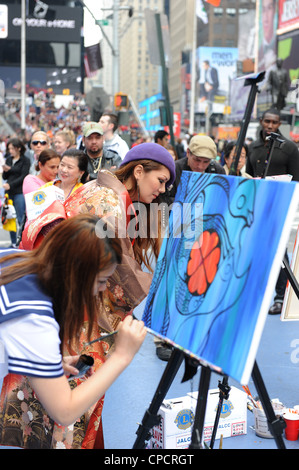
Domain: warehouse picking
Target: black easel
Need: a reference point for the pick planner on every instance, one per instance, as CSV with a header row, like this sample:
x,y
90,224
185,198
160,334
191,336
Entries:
x,y
276,425
250,80
224,390
151,417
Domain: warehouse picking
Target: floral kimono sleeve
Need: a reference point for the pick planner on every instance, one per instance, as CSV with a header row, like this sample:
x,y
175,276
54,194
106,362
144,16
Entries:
x,y
129,285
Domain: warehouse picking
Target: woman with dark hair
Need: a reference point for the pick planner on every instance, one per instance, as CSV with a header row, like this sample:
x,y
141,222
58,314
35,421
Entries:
x,y
229,154
52,290
15,169
47,168
72,171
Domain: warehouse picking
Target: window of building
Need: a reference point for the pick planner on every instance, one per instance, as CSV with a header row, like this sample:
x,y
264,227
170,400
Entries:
x,y
231,12
218,12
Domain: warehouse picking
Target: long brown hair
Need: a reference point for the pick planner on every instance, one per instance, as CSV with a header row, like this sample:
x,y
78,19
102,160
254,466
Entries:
x,y
143,247
66,264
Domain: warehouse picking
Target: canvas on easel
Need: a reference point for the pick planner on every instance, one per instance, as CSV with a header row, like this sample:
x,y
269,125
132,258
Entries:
x,y
210,294
290,308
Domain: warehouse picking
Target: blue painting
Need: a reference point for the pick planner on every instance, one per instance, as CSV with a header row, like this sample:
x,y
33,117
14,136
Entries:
x,y
217,269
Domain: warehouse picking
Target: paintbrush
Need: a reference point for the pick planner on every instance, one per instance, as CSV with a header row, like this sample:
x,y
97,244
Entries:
x,y
253,401
104,336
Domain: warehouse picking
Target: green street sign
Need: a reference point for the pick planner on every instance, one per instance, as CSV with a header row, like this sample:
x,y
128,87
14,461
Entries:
x,y
103,22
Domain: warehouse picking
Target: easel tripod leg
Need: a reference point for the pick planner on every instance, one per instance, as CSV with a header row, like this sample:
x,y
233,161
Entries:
x,y
151,417
291,278
198,426
223,395
276,425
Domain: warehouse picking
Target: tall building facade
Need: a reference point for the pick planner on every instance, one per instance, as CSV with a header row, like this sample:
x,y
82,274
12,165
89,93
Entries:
x,y
139,78
181,14
221,30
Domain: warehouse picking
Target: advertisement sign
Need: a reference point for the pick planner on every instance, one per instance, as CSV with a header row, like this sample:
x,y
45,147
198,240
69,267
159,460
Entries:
x,y
216,66
61,24
149,113
288,51
3,21
53,47
239,98
288,15
246,37
267,49
267,26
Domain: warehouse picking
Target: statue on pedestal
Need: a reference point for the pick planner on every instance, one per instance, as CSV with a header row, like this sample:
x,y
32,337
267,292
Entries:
x,y
278,85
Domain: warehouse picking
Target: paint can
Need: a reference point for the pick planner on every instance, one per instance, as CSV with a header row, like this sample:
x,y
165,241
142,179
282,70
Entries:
x,y
261,424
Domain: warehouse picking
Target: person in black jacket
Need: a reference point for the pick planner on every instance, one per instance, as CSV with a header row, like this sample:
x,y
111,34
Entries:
x,y
99,157
15,169
284,161
201,155
285,157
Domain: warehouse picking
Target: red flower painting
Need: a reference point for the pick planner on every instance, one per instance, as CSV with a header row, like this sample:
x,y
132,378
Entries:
x,y
203,262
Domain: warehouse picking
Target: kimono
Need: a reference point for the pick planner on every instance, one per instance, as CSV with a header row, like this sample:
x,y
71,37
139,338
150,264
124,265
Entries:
x,y
23,422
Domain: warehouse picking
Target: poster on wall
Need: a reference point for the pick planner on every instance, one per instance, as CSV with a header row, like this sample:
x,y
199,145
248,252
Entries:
x,y
3,21
288,45
267,48
268,20
239,94
246,36
288,14
217,269
216,67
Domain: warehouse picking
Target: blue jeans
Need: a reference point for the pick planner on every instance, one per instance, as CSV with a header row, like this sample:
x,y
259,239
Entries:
x,y
20,207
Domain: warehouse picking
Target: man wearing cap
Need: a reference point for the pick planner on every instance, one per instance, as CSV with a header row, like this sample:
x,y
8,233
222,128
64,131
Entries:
x,y
201,155
98,156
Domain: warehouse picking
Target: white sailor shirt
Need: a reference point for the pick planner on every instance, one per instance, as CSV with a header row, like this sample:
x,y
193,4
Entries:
x,y
29,333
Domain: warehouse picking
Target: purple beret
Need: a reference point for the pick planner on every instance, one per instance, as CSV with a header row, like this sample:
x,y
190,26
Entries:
x,y
155,152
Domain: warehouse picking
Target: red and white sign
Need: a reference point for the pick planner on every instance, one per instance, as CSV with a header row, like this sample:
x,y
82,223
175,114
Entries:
x,y
176,125
288,16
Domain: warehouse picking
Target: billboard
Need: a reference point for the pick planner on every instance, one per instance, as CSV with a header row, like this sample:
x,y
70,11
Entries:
x,y
267,49
267,26
61,24
53,48
288,46
149,112
288,14
216,67
3,21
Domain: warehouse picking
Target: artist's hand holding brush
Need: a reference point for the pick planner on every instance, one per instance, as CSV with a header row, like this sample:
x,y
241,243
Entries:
x,y
130,336
73,403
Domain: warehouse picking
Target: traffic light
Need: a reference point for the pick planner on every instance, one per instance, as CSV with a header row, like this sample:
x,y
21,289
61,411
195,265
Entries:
x,y
121,101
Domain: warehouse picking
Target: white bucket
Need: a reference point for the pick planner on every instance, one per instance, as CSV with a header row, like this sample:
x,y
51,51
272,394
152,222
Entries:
x,y
261,424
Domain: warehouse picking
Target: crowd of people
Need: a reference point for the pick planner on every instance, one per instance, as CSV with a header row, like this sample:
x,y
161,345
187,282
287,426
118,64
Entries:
x,y
88,285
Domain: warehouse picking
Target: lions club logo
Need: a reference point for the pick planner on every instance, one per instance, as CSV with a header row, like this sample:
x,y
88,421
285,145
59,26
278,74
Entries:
x,y
184,419
227,408
39,198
